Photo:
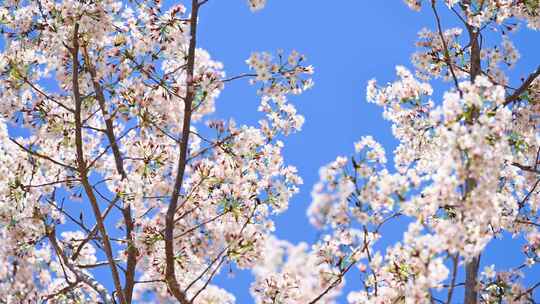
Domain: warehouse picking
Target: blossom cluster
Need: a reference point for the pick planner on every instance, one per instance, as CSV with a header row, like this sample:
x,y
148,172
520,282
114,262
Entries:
x,y
490,10
286,75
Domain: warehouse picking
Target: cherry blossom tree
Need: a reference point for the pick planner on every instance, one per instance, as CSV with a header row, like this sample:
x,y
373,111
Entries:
x,y
114,99
110,161
465,171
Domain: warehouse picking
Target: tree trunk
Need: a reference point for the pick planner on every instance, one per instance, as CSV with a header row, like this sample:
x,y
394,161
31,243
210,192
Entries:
x,y
471,273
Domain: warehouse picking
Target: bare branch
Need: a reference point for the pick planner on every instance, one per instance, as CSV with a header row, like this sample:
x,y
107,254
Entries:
x,y
523,88
83,170
170,274
446,51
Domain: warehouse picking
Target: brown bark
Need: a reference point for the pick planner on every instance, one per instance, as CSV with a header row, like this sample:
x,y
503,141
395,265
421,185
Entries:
x,y
471,278
523,88
119,162
83,170
471,267
170,274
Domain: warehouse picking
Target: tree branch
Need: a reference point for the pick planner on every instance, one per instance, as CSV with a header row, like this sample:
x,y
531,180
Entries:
x,y
119,162
83,170
446,52
524,87
170,275
50,232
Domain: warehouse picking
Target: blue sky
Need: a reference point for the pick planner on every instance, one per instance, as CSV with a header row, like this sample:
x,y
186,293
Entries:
x,y
348,42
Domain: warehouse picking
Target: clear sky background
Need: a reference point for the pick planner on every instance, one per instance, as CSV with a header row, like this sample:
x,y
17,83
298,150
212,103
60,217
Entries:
x,y
348,42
